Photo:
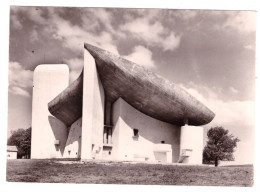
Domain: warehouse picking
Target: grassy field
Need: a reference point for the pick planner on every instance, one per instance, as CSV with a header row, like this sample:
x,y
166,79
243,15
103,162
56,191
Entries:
x,y
53,171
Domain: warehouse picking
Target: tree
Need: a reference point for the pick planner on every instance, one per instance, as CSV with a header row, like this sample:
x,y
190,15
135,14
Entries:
x,y
220,146
22,140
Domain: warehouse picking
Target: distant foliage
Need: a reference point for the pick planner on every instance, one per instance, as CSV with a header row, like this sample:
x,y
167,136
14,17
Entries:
x,y
220,146
22,140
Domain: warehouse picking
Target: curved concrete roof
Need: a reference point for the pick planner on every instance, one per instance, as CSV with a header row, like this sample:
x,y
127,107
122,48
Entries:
x,y
141,88
67,106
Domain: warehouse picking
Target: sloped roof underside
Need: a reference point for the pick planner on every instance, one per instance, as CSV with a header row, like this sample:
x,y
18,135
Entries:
x,y
141,88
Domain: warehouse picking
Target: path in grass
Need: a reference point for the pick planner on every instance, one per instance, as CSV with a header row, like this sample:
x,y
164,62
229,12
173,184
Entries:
x,y
125,173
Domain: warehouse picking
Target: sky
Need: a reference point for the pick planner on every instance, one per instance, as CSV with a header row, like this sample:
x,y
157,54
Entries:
x,y
211,54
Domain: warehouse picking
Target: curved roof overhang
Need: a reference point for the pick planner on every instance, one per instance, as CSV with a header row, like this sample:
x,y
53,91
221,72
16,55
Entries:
x,y
141,88
67,106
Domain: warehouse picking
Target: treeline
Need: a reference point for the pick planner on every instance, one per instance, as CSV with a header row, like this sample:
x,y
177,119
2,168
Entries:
x,y
21,138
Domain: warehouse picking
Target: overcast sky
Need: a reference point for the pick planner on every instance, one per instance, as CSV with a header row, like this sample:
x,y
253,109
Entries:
x,y
211,54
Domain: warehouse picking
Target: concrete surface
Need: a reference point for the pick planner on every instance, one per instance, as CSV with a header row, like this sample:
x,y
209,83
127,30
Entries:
x,y
48,81
192,138
146,91
67,106
141,88
95,116
92,110
151,131
73,144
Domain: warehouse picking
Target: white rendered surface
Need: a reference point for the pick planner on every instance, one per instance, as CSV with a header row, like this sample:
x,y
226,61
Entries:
x,y
151,131
192,138
73,144
92,110
48,81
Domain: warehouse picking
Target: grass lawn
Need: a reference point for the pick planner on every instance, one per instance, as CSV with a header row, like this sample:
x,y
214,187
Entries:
x,y
53,171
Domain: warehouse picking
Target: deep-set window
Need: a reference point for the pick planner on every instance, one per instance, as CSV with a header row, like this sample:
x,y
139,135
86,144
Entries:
x,y
136,133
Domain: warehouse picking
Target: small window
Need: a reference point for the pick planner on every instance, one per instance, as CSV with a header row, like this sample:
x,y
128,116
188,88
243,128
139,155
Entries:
x,y
136,133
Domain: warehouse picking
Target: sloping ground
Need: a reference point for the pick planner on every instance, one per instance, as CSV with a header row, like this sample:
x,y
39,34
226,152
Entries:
x,y
53,171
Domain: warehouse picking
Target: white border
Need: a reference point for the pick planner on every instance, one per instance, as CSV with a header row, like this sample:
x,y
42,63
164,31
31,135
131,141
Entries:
x,y
183,4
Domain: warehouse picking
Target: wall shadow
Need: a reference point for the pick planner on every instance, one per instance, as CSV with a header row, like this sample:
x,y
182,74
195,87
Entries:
x,y
60,132
73,143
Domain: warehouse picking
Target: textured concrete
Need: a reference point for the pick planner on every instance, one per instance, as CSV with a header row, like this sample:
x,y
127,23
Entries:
x,y
73,144
151,132
93,110
147,92
95,116
192,138
144,90
48,82
67,106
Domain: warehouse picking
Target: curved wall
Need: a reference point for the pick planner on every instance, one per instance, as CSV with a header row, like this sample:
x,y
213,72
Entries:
x,y
73,144
92,110
48,81
151,132
192,138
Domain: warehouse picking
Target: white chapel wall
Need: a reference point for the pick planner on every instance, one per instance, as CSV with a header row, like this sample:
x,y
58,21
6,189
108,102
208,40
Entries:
x,y
151,131
73,144
48,81
92,110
